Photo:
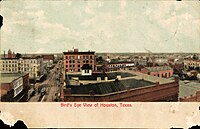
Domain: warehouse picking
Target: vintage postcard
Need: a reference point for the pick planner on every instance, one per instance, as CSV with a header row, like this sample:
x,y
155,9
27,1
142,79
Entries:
x,y
80,59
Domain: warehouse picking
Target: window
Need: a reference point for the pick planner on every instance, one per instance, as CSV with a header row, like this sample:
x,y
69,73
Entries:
x,y
79,66
66,57
90,57
87,61
79,70
66,66
91,61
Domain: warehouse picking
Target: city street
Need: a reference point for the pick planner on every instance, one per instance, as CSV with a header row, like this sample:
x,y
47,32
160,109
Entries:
x,y
51,86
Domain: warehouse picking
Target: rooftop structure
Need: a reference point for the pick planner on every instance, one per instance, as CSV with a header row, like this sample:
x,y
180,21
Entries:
x,y
120,86
161,71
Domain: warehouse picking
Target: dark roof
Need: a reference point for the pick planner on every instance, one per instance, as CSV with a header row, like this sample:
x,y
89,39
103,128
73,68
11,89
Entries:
x,y
109,87
86,66
76,53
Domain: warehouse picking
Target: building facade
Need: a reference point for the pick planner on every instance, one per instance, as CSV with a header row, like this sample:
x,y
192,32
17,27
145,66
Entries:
x,y
9,65
120,65
14,87
33,66
74,60
192,64
161,71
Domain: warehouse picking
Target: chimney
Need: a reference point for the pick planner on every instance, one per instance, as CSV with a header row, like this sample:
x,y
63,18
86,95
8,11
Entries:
x,y
98,78
4,54
106,78
118,77
75,50
177,79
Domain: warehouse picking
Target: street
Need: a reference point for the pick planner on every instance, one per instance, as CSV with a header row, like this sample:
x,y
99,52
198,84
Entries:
x,y
51,86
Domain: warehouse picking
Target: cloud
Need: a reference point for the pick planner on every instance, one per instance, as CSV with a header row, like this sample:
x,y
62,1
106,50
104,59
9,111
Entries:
x,y
99,25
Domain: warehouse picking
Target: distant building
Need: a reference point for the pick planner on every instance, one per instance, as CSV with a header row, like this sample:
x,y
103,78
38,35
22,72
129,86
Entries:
x,y
115,66
14,87
119,86
74,60
32,65
160,71
192,64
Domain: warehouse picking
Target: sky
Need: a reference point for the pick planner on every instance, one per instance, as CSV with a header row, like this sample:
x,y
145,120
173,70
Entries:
x,y
101,26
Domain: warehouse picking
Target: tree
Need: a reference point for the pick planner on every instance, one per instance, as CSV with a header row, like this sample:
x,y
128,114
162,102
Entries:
x,y
18,55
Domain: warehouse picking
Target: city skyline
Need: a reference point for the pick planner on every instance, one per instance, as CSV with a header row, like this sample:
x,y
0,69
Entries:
x,y
103,26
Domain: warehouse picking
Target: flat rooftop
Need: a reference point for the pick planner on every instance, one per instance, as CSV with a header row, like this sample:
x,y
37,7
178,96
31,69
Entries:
x,y
187,88
151,78
129,80
9,77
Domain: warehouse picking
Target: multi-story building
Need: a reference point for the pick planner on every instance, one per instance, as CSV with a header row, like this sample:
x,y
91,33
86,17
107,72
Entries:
x,y
9,65
34,66
74,60
14,87
12,64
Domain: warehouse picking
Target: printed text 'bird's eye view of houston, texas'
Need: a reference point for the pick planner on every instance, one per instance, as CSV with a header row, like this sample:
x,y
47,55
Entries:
x,y
100,51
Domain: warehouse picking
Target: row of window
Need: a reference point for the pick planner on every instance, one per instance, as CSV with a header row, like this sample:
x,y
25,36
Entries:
x,y
9,69
13,65
73,61
9,61
25,61
78,57
163,75
72,70
73,66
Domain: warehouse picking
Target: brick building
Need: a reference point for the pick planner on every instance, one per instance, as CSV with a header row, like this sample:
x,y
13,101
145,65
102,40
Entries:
x,y
74,60
14,87
120,86
160,71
